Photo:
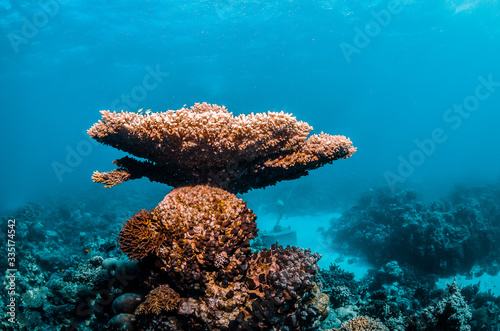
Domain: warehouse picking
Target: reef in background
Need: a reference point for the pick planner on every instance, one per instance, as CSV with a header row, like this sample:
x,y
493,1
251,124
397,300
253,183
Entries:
x,y
411,244
448,236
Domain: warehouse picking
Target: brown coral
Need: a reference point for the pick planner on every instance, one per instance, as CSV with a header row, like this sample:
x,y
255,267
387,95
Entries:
x,y
161,299
283,273
280,279
190,231
206,144
111,178
286,297
142,235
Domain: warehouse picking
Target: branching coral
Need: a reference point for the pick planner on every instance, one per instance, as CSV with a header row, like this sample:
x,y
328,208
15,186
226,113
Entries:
x,y
111,178
142,235
206,144
196,242
450,313
161,299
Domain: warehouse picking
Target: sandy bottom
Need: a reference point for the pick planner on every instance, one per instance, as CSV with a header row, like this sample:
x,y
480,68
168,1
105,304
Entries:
x,y
308,236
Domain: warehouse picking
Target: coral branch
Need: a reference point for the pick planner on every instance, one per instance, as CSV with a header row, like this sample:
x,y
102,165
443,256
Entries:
x,y
161,299
111,178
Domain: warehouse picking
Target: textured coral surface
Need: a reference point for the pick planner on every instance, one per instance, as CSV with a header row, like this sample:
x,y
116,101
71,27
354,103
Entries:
x,y
206,144
193,230
198,241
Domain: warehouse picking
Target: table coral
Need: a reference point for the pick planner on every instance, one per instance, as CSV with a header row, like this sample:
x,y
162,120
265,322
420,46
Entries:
x,y
206,144
195,245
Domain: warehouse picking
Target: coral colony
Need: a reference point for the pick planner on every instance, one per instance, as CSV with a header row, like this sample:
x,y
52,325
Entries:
x,y
194,247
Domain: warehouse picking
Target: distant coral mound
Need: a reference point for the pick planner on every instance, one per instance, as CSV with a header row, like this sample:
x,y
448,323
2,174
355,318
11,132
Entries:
x,y
448,236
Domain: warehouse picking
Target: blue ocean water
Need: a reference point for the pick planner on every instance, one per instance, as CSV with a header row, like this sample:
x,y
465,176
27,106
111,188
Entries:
x,y
414,84
58,69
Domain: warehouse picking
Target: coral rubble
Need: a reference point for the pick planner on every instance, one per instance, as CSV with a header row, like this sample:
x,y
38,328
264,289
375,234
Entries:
x,y
194,247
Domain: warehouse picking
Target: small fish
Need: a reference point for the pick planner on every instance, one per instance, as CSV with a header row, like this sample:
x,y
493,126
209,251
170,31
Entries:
x,y
87,251
110,248
140,111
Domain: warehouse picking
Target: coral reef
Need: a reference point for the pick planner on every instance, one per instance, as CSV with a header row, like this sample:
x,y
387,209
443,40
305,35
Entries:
x,y
411,244
205,254
450,313
444,238
206,144
194,247
70,277
63,282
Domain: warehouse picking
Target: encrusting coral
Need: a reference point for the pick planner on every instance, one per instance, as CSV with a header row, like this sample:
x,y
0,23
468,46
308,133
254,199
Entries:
x,y
206,144
195,245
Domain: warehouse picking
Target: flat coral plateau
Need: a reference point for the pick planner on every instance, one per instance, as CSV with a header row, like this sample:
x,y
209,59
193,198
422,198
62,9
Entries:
x,y
206,144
